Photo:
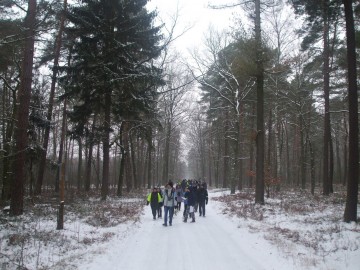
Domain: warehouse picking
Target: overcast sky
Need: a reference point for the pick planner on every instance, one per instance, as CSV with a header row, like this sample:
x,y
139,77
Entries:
x,y
195,14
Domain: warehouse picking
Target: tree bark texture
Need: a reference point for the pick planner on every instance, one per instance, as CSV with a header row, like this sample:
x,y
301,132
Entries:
x,y
260,138
350,213
58,43
24,96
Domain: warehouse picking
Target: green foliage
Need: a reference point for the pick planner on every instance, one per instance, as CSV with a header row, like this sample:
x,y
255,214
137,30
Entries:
x,y
113,45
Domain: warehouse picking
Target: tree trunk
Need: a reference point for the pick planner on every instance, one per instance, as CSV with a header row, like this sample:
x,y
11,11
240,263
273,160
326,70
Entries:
x,y
260,189
133,162
127,157
326,76
24,96
217,162
210,159
106,147
79,169
226,152
350,213
287,156
60,220
7,151
338,159
149,165
302,154
87,183
165,175
122,163
345,177
251,150
331,165
58,42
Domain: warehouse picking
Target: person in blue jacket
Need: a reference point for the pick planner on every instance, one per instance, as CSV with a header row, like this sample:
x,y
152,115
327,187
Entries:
x,y
154,199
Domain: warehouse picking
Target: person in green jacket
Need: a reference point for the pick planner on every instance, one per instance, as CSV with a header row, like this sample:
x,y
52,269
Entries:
x,y
154,199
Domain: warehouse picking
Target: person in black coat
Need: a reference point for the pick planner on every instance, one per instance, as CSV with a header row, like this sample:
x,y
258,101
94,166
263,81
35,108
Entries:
x,y
154,199
190,195
202,199
161,203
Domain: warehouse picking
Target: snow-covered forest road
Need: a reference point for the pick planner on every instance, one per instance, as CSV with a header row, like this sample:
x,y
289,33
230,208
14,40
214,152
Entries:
x,y
212,242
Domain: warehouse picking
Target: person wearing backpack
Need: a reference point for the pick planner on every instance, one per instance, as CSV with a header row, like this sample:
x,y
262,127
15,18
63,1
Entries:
x,y
154,199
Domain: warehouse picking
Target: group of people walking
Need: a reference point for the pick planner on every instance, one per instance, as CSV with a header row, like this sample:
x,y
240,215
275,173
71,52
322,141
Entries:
x,y
192,193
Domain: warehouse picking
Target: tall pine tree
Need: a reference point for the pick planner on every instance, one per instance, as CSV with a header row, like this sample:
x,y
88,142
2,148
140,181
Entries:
x,y
111,71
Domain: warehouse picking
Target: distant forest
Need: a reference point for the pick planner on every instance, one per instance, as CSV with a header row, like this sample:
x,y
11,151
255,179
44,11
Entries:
x,y
93,95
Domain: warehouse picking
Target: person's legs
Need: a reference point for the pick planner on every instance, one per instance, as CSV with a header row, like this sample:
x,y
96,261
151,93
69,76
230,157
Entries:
x,y
166,211
171,214
186,212
202,208
153,209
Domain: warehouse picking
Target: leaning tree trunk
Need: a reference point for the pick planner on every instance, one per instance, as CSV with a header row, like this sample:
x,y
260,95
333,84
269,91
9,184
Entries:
x,y
24,96
350,213
58,42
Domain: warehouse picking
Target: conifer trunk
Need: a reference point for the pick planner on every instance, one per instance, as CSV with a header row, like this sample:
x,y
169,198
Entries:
x,y
350,213
260,185
42,161
24,96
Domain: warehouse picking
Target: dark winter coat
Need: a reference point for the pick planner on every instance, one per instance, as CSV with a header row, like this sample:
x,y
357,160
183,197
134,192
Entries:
x,y
154,199
190,197
202,195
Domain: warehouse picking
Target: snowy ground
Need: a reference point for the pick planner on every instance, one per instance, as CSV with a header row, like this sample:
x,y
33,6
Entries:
x,y
292,231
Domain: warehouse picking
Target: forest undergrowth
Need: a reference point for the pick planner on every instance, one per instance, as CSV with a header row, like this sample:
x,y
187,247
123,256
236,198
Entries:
x,y
31,241
306,228
303,226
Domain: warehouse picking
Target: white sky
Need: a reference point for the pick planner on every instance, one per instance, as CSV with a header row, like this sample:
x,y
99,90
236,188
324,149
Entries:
x,y
192,13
